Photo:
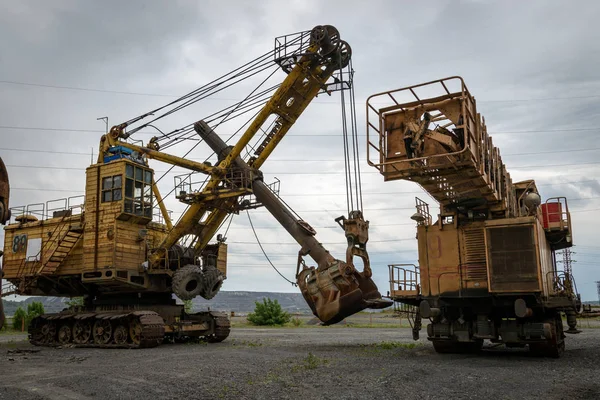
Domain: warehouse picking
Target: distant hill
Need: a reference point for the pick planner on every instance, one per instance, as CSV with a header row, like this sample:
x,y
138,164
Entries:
x,y
240,302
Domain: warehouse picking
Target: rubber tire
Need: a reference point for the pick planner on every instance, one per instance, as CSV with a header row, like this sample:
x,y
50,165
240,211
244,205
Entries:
x,y
554,347
182,277
213,280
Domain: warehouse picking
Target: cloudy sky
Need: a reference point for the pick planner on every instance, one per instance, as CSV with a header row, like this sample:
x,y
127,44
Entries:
x,y
531,65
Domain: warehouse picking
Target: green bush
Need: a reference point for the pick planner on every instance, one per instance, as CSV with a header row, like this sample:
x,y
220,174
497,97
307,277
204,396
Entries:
x,y
296,321
268,312
188,306
18,318
34,309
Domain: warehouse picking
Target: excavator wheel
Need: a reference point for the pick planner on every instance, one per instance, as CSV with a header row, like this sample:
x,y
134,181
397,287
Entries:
x,y
213,280
188,282
554,347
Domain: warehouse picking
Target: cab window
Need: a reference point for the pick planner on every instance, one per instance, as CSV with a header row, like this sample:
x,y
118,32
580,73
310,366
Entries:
x,y
111,188
138,191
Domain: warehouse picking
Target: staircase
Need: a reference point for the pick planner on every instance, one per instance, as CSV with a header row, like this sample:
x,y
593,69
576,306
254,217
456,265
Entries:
x,y
61,251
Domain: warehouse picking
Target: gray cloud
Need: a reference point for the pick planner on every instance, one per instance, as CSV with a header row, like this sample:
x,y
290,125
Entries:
x,y
509,51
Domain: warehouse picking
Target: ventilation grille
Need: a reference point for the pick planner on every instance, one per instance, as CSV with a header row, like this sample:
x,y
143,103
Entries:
x,y
513,259
475,264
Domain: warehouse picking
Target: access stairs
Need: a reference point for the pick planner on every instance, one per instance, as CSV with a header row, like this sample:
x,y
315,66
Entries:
x,y
62,250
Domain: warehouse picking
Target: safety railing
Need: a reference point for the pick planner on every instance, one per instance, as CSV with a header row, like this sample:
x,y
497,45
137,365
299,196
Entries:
x,y
189,182
250,201
8,288
422,216
378,105
555,214
404,280
57,208
73,205
561,283
289,48
157,215
30,212
455,124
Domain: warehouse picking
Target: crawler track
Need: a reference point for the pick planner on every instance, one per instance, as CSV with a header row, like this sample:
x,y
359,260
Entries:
x,y
118,329
222,329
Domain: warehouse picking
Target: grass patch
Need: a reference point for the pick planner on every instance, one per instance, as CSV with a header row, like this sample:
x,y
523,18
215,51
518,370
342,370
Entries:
x,y
237,342
378,347
11,344
396,345
9,330
310,362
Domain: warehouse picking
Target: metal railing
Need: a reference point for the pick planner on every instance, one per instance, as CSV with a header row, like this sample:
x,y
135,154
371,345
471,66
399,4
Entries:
x,y
557,217
562,283
407,97
404,277
473,147
43,211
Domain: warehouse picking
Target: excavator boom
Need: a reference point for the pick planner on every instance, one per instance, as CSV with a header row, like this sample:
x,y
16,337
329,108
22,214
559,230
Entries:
x,y
334,289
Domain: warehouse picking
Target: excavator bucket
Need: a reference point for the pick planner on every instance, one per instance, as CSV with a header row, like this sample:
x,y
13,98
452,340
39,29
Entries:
x,y
338,291
4,194
4,217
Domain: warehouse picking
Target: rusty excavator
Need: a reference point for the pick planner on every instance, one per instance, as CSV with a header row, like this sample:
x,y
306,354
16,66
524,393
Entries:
x,y
119,249
487,262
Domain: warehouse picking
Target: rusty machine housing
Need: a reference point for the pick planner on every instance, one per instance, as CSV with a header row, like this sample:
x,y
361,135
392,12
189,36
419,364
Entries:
x,y
96,246
487,266
4,217
118,248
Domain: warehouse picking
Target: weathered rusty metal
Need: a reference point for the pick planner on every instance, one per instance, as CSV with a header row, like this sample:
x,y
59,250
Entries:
x,y
4,217
488,269
335,289
4,194
143,329
114,252
123,329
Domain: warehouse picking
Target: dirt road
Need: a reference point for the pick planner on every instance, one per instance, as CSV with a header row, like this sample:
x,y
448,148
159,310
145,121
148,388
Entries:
x,y
315,363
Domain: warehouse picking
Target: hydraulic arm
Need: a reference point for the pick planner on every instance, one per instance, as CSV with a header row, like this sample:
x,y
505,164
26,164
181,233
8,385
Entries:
x,y
334,289
325,54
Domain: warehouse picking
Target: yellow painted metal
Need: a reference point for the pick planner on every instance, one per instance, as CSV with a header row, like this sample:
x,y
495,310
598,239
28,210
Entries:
x,y
161,205
293,96
213,222
275,103
171,159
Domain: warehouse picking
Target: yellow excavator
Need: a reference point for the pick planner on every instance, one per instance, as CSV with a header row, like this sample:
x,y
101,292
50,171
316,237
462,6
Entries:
x,y
120,249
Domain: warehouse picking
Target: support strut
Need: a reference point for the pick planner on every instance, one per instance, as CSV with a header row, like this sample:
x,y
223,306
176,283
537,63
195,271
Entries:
x,y
333,290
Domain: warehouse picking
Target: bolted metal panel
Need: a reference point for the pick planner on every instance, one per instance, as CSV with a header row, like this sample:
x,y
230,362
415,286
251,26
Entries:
x,y
512,259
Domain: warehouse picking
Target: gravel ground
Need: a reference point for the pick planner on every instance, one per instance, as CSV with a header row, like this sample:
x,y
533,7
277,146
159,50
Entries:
x,y
316,363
